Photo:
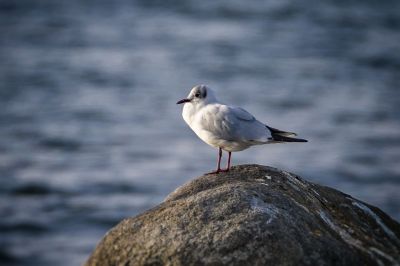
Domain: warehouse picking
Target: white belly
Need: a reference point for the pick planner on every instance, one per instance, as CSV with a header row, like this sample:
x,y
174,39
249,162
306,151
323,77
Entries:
x,y
215,141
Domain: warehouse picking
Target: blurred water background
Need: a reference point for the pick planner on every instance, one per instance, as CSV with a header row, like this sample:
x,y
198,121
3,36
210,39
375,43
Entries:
x,y
90,132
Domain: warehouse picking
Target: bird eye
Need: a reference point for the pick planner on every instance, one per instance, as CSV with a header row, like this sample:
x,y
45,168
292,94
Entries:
x,y
197,95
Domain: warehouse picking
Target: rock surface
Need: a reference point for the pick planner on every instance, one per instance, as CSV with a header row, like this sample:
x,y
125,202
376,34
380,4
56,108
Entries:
x,y
253,215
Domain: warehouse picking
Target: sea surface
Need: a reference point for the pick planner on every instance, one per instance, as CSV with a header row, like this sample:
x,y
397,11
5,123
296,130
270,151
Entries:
x,y
90,132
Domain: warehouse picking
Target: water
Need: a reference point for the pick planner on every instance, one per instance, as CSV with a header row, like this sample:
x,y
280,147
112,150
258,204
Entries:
x,y
89,129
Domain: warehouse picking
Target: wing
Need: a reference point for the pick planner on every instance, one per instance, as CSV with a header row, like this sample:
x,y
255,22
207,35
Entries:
x,y
232,124
241,114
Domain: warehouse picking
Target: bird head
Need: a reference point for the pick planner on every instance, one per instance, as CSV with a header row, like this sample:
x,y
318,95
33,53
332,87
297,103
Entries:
x,y
200,94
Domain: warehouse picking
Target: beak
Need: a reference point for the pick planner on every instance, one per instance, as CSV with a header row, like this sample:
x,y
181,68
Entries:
x,y
183,101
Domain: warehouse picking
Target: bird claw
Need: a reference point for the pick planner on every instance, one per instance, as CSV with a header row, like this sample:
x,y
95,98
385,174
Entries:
x,y
218,171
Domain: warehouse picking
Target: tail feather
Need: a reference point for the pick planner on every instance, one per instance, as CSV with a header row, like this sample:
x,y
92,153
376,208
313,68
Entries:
x,y
279,135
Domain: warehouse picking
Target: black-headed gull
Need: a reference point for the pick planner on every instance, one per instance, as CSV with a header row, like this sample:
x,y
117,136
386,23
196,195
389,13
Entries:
x,y
226,127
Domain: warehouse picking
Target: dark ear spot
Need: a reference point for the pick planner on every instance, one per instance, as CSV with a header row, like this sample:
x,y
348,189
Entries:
x,y
204,93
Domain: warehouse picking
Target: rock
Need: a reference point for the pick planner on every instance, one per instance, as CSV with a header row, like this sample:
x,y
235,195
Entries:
x,y
253,215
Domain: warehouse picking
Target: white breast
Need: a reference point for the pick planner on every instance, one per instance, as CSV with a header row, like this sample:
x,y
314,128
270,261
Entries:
x,y
192,117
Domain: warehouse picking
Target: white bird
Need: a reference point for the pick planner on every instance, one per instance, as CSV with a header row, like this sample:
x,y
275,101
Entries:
x,y
226,127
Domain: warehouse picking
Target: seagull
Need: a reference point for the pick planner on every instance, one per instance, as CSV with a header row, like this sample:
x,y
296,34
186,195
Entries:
x,y
227,127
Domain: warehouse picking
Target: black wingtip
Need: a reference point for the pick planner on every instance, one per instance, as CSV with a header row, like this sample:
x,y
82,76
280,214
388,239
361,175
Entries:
x,y
275,130
280,135
277,137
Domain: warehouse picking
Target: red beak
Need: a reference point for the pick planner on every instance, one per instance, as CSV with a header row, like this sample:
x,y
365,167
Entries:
x,y
183,101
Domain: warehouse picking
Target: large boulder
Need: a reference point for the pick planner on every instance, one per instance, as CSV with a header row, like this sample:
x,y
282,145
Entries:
x,y
253,215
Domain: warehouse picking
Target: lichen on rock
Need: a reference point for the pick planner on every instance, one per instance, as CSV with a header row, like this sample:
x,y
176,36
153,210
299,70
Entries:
x,y
253,215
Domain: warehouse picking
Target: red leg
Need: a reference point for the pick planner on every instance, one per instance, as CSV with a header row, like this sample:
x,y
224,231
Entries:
x,y
219,163
229,161
219,159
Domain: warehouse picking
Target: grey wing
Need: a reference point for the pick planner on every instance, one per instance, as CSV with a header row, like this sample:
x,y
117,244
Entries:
x,y
234,124
248,128
241,114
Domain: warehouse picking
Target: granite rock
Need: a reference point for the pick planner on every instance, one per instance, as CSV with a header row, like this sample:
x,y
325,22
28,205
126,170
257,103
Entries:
x,y
253,215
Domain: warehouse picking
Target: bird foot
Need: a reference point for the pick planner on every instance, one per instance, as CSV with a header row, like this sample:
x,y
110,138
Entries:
x,y
218,171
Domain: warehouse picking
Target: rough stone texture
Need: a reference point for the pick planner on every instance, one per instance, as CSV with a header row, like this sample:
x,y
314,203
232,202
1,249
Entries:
x,y
253,215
